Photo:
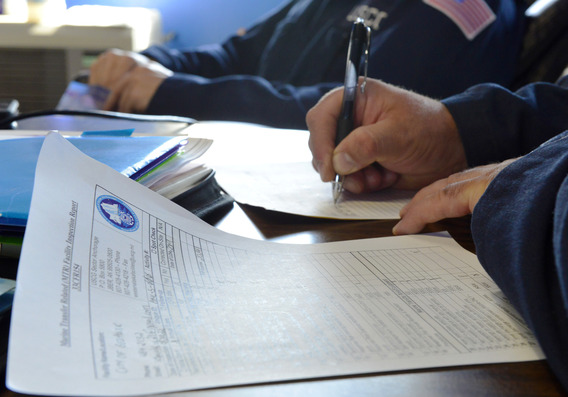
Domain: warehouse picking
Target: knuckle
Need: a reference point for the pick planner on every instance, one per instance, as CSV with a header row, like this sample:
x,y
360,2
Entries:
x,y
138,73
451,190
312,144
311,118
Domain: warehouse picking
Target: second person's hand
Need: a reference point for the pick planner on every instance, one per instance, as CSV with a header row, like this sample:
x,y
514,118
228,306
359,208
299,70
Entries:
x,y
451,197
131,78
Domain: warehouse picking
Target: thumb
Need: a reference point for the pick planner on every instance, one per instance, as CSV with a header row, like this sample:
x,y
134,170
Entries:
x,y
355,152
364,146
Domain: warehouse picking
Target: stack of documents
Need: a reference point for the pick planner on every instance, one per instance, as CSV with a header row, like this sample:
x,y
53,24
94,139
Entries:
x,y
179,173
153,160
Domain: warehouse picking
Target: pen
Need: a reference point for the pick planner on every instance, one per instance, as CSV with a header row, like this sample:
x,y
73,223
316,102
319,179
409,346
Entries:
x,y
358,46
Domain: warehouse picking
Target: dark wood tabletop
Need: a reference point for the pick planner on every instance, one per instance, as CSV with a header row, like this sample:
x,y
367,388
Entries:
x,y
516,379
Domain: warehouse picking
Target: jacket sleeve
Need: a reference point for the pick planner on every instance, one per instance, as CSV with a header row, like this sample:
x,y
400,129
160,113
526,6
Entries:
x,y
496,124
520,229
241,98
237,55
225,77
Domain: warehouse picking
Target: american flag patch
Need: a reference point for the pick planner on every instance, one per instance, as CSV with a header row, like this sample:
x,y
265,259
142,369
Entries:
x,y
471,16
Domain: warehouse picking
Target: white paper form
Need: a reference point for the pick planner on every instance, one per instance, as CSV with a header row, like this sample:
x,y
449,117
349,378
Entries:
x,y
271,168
297,189
121,292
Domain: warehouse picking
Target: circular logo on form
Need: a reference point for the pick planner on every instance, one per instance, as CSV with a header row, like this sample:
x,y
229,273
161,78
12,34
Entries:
x,y
117,213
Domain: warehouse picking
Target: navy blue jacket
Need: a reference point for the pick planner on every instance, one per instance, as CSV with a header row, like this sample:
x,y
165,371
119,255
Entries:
x,y
520,225
282,66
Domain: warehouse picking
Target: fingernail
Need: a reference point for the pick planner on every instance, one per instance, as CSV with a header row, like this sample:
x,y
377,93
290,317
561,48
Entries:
x,y
344,163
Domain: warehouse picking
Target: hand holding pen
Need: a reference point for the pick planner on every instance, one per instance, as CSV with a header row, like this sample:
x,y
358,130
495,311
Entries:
x,y
402,139
358,48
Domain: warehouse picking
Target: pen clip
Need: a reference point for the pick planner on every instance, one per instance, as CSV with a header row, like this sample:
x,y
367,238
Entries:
x,y
366,54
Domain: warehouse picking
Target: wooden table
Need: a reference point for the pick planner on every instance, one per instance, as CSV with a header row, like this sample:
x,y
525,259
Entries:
x,y
517,379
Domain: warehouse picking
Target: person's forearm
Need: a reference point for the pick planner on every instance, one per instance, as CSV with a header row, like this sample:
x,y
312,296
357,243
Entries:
x,y
496,124
520,229
236,98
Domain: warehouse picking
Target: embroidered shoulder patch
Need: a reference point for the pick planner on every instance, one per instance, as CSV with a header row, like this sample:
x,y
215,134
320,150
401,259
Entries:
x,y
471,16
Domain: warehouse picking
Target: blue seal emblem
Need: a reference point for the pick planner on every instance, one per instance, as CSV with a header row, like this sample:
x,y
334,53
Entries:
x,y
117,213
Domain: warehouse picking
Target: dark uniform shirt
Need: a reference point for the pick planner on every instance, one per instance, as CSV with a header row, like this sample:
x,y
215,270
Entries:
x,y
284,64
520,224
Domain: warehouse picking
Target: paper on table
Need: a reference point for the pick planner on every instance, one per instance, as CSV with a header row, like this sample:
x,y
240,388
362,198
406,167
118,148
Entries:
x,y
121,292
252,144
271,168
296,188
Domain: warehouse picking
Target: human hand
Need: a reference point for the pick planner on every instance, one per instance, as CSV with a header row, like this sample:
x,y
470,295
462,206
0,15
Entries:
x,y
413,138
450,197
131,78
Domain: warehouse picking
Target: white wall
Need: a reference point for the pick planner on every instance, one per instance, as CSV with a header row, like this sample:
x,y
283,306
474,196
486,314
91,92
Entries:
x,y
193,22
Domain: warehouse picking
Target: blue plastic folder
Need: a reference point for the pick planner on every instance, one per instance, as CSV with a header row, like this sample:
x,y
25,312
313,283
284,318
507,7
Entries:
x,y
132,156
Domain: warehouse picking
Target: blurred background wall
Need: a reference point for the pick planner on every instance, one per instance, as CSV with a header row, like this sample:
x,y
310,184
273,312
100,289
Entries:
x,y
188,23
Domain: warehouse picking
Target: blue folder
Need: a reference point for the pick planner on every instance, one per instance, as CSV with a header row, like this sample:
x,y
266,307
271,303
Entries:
x,y
132,156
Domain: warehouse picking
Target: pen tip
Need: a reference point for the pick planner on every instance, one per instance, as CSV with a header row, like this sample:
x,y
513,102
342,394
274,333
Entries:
x,y
336,191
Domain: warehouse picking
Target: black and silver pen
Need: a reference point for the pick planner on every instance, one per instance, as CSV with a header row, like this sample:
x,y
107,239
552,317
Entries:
x,y
358,47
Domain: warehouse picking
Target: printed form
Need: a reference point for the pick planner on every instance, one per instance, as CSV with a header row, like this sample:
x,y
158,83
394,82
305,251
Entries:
x,y
121,292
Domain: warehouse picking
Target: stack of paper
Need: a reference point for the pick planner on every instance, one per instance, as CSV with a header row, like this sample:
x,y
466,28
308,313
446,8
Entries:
x,y
180,172
136,157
